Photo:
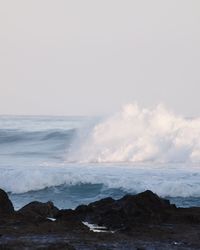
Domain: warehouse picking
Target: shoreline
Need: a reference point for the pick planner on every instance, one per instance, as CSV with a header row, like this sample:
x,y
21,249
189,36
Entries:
x,y
142,221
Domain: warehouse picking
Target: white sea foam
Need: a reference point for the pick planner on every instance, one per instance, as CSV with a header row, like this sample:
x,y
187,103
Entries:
x,y
133,150
97,229
166,180
141,135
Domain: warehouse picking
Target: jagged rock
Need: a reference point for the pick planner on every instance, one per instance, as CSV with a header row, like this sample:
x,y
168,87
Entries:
x,y
142,220
39,210
67,214
145,207
6,206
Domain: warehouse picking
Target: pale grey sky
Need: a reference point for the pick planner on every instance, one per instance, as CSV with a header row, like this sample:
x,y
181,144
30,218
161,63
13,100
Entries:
x,y
90,57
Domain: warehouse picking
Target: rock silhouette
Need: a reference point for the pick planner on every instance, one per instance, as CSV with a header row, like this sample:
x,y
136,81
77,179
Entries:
x,y
6,206
144,219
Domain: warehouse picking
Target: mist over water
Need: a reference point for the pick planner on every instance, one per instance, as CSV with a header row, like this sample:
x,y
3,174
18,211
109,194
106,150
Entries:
x,y
74,160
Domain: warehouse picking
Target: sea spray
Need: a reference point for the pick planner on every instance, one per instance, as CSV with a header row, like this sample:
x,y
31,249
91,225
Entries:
x,y
76,160
141,135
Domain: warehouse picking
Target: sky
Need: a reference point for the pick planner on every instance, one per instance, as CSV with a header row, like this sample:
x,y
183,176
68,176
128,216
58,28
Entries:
x,y
61,57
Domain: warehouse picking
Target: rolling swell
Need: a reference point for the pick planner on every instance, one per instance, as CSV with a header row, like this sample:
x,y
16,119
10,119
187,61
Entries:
x,y
70,196
17,136
173,181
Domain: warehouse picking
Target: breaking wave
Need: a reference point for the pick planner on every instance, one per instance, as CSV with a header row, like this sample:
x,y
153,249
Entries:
x,y
165,180
78,160
140,135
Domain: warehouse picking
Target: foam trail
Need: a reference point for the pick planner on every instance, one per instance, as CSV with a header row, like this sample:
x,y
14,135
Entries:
x,y
141,135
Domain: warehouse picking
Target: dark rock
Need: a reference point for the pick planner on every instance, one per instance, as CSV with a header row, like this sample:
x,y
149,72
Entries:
x,y
6,206
66,214
71,220
185,215
145,207
39,210
142,221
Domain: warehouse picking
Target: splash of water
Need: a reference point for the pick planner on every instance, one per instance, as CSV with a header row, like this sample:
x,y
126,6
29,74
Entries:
x,y
141,135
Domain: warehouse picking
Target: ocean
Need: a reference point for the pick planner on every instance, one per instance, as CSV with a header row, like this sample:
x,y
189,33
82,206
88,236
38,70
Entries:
x,y
73,160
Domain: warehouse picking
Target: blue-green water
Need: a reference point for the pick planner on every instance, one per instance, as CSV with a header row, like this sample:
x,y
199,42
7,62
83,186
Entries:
x,y
38,161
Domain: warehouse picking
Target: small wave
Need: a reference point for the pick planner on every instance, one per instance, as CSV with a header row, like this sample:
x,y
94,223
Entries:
x,y
18,136
59,134
9,136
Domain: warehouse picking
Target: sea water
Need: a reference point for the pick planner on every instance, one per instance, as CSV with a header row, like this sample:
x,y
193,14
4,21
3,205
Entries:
x,y
76,160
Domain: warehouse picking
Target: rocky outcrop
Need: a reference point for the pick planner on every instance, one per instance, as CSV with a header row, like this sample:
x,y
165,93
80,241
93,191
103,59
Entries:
x,y
6,206
38,210
145,207
123,214
142,221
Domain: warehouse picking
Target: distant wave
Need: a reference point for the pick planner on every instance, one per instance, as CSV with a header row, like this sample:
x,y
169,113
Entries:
x,y
12,136
140,135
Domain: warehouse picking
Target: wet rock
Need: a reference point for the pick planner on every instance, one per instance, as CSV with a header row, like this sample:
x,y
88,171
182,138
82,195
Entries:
x,y
130,211
69,218
142,221
6,206
67,214
145,207
39,210
185,215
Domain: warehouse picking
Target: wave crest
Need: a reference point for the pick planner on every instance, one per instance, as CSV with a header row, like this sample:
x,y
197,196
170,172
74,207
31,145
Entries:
x,y
141,135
